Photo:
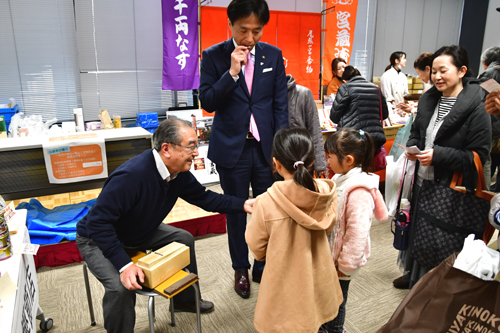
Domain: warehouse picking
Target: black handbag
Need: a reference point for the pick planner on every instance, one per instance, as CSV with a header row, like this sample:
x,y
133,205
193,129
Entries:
x,y
447,215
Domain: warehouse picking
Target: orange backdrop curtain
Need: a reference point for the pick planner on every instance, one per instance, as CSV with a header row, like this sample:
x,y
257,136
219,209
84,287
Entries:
x,y
298,35
339,33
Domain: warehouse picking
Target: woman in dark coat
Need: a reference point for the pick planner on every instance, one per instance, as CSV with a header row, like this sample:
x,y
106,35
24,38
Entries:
x,y
357,105
451,123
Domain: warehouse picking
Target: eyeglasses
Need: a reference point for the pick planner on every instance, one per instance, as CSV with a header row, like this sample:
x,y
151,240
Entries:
x,y
191,148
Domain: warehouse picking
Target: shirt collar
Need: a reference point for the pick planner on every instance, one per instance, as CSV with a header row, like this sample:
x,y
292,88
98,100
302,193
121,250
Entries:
x,y
162,168
252,52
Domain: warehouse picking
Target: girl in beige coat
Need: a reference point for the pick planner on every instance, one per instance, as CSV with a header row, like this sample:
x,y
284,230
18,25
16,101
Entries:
x,y
300,289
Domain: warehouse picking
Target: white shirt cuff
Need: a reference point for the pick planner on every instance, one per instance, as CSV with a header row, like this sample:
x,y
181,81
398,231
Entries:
x,y
125,267
235,78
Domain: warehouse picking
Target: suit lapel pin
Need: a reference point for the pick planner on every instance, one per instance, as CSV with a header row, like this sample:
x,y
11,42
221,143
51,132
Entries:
x,y
263,57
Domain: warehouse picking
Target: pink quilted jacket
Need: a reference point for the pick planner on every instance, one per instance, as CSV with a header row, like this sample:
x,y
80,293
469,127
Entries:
x,y
350,239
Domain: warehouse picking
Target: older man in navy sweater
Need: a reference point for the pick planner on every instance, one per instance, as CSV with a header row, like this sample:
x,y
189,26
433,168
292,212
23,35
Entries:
x,y
128,214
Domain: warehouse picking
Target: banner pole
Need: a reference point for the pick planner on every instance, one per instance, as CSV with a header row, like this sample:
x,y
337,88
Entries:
x,y
322,48
199,49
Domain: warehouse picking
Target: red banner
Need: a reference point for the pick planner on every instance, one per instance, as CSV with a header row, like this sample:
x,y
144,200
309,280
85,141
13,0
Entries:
x,y
298,35
339,33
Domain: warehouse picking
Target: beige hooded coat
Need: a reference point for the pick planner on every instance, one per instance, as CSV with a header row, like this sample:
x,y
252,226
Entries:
x,y
299,289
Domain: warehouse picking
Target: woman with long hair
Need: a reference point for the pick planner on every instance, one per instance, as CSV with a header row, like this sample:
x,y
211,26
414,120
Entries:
x,y
394,83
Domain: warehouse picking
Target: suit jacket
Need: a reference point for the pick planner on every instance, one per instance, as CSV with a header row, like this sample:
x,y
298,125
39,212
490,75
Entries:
x,y
219,92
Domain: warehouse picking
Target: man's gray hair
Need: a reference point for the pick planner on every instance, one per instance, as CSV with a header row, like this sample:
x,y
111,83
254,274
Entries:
x,y
168,132
491,54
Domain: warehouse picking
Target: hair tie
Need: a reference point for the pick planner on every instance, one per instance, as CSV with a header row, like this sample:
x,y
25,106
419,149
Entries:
x,y
297,163
361,132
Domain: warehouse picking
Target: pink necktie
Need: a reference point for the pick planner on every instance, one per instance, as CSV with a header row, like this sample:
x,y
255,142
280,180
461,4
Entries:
x,y
249,67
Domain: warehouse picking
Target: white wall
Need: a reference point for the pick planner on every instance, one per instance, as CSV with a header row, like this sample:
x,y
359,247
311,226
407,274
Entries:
x,y
308,6
414,26
492,29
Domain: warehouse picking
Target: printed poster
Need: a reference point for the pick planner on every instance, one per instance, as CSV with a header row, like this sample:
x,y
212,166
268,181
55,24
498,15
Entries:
x,y
75,158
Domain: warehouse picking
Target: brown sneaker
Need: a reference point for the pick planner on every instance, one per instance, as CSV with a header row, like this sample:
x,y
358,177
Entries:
x,y
401,284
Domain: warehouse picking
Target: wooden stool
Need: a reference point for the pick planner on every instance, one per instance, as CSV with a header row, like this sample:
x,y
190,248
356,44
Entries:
x,y
151,293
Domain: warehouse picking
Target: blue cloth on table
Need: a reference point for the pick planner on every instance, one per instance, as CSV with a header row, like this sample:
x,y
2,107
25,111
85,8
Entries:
x,y
50,226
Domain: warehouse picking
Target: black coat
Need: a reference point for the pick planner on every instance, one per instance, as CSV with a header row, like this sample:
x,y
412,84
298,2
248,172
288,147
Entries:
x,y
357,105
465,129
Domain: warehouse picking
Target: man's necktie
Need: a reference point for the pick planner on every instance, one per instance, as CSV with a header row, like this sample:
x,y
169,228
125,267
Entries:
x,y
249,67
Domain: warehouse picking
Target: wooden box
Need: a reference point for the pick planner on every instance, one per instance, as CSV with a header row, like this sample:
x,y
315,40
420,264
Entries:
x,y
163,263
319,104
392,131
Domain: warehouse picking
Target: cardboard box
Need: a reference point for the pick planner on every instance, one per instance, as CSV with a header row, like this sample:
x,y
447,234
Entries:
x,y
418,86
417,80
392,131
163,263
319,104
376,79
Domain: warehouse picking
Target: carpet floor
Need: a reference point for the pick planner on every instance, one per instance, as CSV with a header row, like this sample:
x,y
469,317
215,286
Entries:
x,y
372,298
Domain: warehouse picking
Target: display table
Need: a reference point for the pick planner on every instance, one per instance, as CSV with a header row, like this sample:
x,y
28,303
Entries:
x,y
22,165
183,216
19,313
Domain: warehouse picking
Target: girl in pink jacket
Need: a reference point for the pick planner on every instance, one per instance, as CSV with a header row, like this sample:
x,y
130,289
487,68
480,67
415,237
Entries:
x,y
350,155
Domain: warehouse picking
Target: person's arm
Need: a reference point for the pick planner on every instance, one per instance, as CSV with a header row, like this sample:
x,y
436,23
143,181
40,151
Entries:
x,y
256,234
313,126
385,110
406,92
214,88
120,193
280,101
358,215
385,87
196,194
340,104
478,139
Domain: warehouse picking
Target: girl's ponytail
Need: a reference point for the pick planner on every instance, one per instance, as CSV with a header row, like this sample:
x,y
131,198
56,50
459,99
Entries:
x,y
303,177
294,149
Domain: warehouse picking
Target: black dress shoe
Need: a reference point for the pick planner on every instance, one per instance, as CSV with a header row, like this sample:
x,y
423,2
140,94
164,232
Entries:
x,y
400,283
205,306
256,276
241,282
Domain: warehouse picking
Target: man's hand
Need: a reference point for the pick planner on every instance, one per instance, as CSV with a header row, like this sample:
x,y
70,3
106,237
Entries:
x,y
238,59
129,277
425,157
248,206
492,103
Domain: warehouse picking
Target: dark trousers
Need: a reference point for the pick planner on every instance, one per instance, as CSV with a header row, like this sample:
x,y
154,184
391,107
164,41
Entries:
x,y
337,325
118,302
252,168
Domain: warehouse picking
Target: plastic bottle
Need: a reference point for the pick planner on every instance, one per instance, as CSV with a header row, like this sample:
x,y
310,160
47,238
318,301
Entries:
x,y
404,213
